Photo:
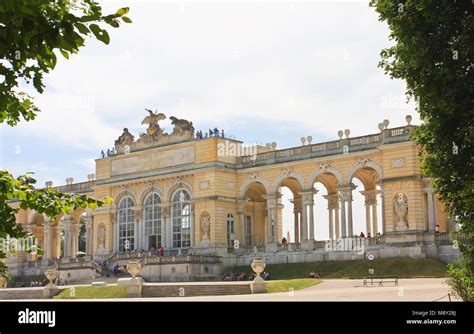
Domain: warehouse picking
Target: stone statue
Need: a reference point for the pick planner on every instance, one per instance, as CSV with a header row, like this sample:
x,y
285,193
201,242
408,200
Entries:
x,y
181,126
101,236
205,226
401,208
152,120
126,138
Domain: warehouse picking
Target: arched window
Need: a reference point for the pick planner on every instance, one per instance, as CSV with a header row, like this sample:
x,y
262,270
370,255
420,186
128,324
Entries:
x,y
153,221
181,217
230,230
126,224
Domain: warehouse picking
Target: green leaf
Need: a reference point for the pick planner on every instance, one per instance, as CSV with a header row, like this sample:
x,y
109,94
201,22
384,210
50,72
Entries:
x,y
126,19
65,54
123,11
100,34
82,28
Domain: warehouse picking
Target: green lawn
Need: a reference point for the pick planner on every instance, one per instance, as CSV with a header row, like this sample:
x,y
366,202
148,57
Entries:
x,y
93,292
401,267
291,285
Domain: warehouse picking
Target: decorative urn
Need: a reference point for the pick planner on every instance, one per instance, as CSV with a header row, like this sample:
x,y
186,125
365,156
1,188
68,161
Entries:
x,y
51,275
258,265
133,267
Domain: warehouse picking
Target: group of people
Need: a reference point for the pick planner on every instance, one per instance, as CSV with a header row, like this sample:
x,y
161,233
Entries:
x,y
244,276
110,152
119,270
211,133
160,251
314,275
362,235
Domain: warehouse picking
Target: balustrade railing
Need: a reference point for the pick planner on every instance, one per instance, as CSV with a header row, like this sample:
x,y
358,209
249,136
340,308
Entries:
x,y
331,147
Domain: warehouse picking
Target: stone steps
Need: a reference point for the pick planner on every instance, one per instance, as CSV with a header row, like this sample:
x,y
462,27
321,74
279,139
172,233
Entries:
x,y
189,290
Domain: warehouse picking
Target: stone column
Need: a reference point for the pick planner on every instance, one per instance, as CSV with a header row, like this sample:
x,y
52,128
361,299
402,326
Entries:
x,y
56,229
368,200
308,218
297,218
269,222
272,214
241,215
337,224
331,224
74,239
47,239
167,226
88,222
275,222
311,216
431,208
192,230
296,223
138,213
346,197
367,218
350,226
333,213
375,228
343,218
67,237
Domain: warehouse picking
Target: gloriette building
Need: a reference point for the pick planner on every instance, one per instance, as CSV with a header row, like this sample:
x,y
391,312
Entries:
x,y
204,195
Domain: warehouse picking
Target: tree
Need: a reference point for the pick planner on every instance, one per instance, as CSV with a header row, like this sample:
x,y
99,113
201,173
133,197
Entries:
x,y
32,32
434,54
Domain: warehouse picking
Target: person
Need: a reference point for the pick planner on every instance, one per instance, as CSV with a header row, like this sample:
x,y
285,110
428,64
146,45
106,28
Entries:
x,y
222,133
283,241
102,154
362,235
162,251
437,228
368,235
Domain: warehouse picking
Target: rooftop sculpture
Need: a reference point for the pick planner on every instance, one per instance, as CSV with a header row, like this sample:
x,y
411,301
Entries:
x,y
154,135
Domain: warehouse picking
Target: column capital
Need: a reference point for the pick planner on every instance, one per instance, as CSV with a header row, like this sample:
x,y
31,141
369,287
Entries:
x,y
346,192
370,196
307,196
333,200
428,190
272,200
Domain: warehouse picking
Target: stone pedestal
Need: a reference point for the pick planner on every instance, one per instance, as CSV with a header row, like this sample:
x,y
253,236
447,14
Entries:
x,y
258,285
134,287
401,226
209,248
307,245
50,291
271,247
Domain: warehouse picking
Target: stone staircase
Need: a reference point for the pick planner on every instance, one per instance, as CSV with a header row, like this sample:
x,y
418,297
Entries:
x,y
195,289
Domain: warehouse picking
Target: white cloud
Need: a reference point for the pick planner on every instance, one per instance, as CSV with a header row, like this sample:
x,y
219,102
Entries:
x,y
313,63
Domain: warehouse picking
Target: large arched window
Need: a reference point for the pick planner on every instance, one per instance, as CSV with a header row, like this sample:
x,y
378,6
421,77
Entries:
x,y
230,230
126,224
153,221
181,217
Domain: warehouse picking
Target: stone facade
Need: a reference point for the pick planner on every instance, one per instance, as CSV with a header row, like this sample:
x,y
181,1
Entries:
x,y
200,196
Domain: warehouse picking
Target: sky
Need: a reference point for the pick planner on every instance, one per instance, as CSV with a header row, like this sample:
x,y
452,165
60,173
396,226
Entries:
x,y
262,71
